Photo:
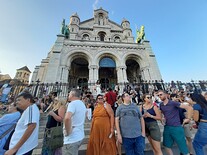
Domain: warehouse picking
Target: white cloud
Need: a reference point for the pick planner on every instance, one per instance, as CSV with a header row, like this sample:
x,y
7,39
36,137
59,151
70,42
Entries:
x,y
95,4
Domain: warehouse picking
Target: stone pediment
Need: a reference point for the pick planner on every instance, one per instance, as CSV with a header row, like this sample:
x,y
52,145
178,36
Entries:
x,y
87,23
115,26
90,23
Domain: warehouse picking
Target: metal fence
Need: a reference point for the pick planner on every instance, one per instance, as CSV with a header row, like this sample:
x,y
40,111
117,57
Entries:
x,y
41,89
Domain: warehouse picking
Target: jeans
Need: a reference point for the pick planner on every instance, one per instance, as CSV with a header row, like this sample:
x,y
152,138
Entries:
x,y
200,139
4,98
134,146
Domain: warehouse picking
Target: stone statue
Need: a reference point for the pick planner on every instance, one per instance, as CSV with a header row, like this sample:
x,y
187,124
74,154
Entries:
x,y
66,31
140,35
62,27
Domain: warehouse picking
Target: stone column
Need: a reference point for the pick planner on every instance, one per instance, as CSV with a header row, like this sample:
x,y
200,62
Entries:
x,y
119,75
93,75
122,77
142,74
124,74
65,72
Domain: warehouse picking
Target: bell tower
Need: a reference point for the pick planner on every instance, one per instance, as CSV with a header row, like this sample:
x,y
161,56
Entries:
x,y
127,31
74,25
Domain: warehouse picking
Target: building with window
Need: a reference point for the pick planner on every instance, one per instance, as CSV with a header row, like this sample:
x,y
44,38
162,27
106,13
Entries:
x,y
23,74
98,49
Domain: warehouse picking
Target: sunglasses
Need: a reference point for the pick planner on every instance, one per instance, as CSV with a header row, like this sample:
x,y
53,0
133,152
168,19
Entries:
x,y
148,97
159,94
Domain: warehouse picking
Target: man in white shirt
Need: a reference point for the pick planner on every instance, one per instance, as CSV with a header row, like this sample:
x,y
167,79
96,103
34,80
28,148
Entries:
x,y
74,123
25,136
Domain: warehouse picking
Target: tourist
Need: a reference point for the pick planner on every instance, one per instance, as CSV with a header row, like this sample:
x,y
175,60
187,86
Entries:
x,y
55,118
130,127
102,140
25,136
5,91
74,123
7,124
186,126
173,130
151,114
98,87
110,98
200,115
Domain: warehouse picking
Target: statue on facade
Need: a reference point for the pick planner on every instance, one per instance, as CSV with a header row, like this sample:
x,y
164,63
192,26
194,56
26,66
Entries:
x,y
140,35
62,27
66,31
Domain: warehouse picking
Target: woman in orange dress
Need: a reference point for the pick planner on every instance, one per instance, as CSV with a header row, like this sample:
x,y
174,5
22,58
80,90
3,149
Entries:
x,y
102,139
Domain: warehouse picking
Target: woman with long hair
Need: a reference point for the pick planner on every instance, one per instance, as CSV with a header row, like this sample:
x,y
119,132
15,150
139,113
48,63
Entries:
x,y
200,116
55,118
151,114
102,139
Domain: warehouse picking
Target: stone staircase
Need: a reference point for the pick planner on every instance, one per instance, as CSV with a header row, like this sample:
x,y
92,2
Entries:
x,y
43,121
83,147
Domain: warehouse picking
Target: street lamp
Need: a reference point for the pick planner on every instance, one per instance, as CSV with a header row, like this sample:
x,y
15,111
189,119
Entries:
x,y
37,85
163,86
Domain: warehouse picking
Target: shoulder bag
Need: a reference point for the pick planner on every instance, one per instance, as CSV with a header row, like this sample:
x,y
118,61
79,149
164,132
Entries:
x,y
54,137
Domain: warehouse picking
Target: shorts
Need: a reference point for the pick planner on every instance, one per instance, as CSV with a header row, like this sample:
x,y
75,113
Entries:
x,y
152,129
71,149
187,130
176,134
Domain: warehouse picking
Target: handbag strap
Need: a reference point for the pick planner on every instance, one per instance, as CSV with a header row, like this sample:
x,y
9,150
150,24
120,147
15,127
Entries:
x,y
7,131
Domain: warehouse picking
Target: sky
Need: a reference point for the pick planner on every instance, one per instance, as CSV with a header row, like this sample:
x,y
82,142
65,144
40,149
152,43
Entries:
x,y
176,29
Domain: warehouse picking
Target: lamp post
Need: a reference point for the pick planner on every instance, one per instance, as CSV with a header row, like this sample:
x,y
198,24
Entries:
x,y
37,85
163,86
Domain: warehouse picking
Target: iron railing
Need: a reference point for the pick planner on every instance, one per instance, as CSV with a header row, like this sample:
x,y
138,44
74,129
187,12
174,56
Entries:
x,y
41,89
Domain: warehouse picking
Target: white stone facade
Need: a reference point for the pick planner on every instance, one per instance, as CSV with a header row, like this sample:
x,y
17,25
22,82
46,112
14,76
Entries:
x,y
78,58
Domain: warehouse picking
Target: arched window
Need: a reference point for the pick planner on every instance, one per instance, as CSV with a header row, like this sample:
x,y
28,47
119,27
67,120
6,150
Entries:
x,y
107,62
117,39
85,37
101,35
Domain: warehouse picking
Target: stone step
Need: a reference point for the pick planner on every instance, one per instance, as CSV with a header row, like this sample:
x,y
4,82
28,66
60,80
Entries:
x,y
37,151
83,147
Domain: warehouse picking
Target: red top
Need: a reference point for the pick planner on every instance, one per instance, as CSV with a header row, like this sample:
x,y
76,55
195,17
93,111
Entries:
x,y
110,97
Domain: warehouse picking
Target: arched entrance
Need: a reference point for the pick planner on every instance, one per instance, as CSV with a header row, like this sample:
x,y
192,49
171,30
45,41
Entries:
x,y
79,73
133,71
107,73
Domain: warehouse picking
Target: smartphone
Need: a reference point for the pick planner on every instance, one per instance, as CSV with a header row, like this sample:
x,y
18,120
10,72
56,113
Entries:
x,y
110,135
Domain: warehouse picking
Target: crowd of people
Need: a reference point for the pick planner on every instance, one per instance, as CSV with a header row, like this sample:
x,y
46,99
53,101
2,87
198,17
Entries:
x,y
118,119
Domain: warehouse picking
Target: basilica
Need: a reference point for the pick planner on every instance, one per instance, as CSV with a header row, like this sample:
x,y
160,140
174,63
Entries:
x,y
97,49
